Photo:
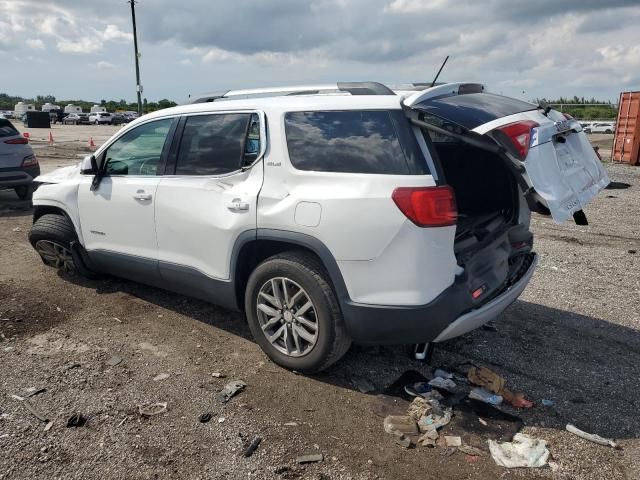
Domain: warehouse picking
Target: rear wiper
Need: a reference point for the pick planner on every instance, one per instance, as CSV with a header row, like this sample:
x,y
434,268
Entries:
x,y
544,107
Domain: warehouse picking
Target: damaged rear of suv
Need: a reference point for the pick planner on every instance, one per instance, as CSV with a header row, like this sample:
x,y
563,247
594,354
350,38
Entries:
x,y
360,214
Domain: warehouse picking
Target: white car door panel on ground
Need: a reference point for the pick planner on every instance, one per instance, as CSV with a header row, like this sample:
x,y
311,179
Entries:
x,y
211,199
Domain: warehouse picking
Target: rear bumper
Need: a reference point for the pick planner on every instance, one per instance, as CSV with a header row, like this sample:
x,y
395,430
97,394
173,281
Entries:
x,y
451,314
17,176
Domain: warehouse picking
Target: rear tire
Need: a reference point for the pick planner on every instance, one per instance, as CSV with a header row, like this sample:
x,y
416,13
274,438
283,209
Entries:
x,y
24,192
269,309
51,236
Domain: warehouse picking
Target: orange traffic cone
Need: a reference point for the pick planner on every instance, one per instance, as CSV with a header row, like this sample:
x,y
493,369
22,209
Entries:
x,y
91,143
50,139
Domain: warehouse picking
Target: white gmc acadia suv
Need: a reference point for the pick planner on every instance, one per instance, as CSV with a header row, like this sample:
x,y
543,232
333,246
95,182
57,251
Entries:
x,y
328,214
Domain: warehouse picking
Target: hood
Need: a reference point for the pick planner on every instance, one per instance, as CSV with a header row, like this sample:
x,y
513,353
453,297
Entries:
x,y
59,175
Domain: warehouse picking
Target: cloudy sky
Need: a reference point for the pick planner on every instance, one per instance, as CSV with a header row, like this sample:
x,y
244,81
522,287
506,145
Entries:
x,y
83,48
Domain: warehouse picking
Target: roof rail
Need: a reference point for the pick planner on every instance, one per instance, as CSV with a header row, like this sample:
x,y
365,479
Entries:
x,y
354,88
365,88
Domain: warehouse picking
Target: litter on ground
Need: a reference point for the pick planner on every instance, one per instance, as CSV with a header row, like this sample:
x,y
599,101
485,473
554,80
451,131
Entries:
x,y
524,451
592,437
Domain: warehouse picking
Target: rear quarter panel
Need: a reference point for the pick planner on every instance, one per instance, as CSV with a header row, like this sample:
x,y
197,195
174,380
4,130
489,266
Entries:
x,y
383,257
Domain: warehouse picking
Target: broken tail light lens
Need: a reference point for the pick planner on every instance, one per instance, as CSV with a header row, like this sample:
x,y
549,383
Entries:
x,y
427,206
519,134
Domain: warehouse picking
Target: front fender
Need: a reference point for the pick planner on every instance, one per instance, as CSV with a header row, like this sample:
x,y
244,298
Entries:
x,y
59,196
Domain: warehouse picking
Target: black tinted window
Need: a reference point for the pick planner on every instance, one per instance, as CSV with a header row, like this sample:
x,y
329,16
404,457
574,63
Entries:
x,y
352,142
473,109
212,144
7,129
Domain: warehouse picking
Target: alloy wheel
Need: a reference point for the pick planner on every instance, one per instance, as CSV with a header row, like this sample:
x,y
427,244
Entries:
x,y
287,317
55,255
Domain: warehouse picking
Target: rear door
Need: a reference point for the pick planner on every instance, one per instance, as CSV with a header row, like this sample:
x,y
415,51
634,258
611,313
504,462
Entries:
x,y
557,165
208,197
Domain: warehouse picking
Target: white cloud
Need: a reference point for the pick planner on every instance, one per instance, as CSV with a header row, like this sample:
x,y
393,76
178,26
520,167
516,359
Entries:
x,y
219,55
414,6
112,32
186,61
35,43
79,45
103,65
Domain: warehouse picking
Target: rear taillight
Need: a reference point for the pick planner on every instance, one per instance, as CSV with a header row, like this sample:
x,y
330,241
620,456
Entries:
x,y
520,135
17,141
30,161
427,206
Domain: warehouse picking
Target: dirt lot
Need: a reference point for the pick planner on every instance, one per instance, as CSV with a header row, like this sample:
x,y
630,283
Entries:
x,y
573,337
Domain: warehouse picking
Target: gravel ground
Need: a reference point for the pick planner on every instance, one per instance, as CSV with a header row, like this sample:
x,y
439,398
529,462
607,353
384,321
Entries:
x,y
573,337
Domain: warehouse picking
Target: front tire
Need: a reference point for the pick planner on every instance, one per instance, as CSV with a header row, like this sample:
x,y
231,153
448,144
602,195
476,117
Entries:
x,y
293,313
51,236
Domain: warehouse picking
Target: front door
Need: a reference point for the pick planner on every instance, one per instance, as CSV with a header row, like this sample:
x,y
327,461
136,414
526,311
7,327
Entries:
x,y
118,216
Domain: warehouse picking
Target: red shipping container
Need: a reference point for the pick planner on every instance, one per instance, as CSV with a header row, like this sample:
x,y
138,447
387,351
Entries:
x,y
626,142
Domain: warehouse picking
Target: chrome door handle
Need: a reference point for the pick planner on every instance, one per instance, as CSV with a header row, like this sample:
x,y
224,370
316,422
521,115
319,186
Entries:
x,y
238,205
142,196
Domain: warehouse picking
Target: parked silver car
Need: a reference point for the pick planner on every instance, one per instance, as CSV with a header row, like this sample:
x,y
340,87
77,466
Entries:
x,y
18,165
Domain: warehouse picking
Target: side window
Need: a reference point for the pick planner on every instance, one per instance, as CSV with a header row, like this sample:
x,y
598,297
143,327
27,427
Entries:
x,y
352,142
6,129
216,144
252,144
138,151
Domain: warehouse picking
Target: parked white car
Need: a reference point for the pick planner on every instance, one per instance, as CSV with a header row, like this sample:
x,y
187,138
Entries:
x,y
601,127
360,214
101,118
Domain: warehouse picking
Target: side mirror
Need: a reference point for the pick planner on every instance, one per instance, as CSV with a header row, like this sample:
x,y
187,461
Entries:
x,y
89,165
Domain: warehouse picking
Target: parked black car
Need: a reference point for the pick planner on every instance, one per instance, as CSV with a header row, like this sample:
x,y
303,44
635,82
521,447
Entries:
x,y
57,115
119,119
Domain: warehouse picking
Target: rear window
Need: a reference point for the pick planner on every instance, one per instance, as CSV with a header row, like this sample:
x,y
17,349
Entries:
x,y
473,109
7,129
353,141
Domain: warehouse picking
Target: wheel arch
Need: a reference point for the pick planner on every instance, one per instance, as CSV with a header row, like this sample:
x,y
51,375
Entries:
x,y
255,246
44,209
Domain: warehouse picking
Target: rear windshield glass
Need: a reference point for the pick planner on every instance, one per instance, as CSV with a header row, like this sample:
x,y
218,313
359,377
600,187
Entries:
x,y
6,129
473,109
353,142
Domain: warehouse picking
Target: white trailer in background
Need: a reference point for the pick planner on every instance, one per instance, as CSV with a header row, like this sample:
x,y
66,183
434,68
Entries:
x,y
47,107
22,107
71,108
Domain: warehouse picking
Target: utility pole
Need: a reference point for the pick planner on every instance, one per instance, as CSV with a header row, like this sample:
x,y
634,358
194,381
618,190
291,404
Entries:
x,y
135,46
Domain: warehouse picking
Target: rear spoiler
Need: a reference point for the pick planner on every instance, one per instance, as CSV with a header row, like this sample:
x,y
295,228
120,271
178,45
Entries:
x,y
458,88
